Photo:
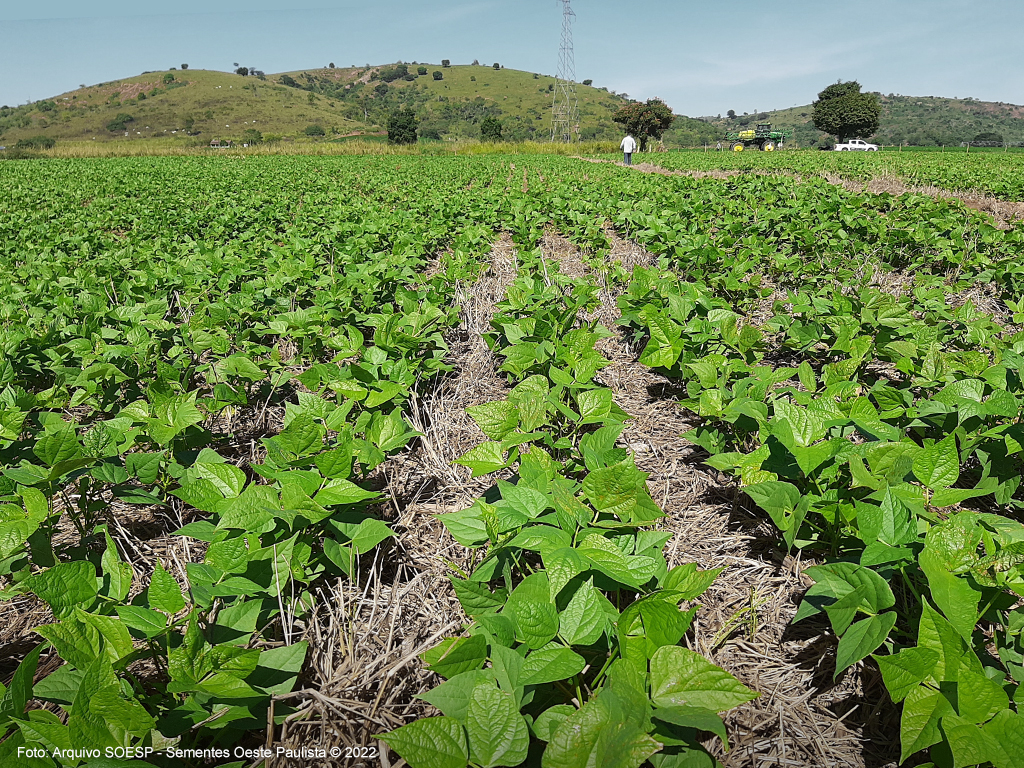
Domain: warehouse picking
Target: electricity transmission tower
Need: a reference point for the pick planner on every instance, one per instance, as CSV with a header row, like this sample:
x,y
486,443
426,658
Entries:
x,y
565,109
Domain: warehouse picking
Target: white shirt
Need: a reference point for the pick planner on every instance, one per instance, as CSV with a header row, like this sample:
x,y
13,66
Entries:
x,y
628,145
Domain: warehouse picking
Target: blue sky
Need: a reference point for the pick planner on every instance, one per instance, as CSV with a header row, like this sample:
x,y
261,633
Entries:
x,y
703,59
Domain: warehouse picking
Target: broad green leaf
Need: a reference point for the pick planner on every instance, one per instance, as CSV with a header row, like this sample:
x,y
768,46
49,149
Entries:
x,y
229,555
228,479
938,466
594,405
1007,728
477,598
549,720
19,692
124,713
64,586
937,634
484,459
694,717
619,489
688,581
201,494
495,419
434,742
599,734
507,669
57,446
607,558
497,733
457,655
542,538
837,580
502,630
60,686
164,592
522,499
466,526
979,697
562,566
969,744
279,668
903,671
583,621
117,643
919,724
303,436
452,696
681,677
863,637
335,463
890,522
149,622
72,641
172,417
549,664
536,622
949,547
369,534
117,575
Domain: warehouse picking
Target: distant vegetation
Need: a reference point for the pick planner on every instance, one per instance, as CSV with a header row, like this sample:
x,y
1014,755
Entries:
x,y
844,112
922,121
450,102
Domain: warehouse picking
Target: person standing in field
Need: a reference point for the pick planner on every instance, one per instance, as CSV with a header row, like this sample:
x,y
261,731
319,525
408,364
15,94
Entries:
x,y
628,148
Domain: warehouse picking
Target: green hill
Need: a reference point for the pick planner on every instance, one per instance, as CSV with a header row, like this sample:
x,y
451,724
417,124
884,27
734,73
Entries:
x,y
197,106
913,120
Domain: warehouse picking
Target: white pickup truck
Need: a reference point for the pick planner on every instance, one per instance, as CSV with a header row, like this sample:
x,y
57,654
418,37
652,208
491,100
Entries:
x,y
856,145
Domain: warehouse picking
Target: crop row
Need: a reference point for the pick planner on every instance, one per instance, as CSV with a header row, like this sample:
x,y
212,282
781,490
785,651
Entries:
x,y
993,174
155,311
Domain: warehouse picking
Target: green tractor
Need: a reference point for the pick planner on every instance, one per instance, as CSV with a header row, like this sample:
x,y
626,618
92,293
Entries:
x,y
762,137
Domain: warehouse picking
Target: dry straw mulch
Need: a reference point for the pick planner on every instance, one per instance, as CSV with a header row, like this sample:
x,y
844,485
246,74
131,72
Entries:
x,y
365,672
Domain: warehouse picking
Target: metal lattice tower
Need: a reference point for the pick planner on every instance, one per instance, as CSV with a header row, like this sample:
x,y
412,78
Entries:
x,y
565,109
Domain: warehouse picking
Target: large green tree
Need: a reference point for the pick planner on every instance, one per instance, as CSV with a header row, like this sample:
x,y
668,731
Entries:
x,y
645,121
402,126
490,129
844,112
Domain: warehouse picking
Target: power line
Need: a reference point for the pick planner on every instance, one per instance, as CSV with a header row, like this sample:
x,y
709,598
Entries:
x,y
565,107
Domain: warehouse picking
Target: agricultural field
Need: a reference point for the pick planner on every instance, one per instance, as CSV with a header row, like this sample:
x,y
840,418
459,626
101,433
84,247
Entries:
x,y
989,173
502,461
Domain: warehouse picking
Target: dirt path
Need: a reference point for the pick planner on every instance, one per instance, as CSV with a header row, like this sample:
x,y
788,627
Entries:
x,y
366,635
801,718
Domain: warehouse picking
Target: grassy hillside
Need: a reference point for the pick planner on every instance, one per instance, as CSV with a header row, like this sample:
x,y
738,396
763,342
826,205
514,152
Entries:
x,y
453,106
195,105
914,120
183,107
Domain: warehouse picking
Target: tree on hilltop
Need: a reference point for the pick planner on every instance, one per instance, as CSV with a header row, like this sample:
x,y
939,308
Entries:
x,y
184,66
844,112
445,63
645,121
